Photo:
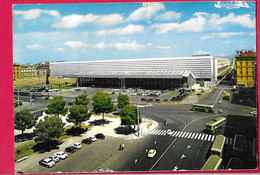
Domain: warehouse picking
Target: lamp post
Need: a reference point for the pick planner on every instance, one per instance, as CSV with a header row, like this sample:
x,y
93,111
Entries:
x,y
137,113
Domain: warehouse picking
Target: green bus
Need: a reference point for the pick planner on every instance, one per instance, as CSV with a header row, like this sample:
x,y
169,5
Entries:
x,y
213,163
203,108
216,124
218,145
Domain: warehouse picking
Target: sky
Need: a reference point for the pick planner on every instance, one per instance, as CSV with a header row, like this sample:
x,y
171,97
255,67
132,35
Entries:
x,y
109,31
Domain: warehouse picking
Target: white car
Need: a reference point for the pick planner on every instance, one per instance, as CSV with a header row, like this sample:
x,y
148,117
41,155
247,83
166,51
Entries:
x,y
151,153
253,113
77,145
169,132
61,155
54,158
47,162
148,105
220,111
93,138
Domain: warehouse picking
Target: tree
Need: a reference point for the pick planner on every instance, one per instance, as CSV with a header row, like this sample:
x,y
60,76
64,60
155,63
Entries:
x,y
82,99
48,129
78,114
56,106
122,100
24,120
102,103
128,116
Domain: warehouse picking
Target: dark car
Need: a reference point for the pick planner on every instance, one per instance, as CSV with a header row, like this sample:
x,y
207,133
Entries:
x,y
86,141
174,99
143,99
165,100
71,103
70,149
157,99
150,100
100,136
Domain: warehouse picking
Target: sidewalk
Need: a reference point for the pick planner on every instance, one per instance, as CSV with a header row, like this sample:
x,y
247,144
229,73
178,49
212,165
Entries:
x,y
107,129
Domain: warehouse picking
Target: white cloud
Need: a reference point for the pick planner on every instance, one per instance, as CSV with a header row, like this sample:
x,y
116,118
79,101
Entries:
x,y
74,20
221,35
163,47
145,12
194,24
130,29
34,46
149,44
244,20
128,46
201,52
35,13
60,49
171,15
76,44
231,4
118,45
111,19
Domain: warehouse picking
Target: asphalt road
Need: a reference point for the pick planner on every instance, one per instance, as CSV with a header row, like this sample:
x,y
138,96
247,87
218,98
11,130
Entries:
x,y
187,148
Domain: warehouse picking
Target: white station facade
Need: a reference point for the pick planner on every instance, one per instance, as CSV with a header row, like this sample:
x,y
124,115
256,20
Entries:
x,y
146,73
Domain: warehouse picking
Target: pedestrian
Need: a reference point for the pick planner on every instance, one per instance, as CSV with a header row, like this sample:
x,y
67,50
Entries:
x,y
155,142
135,161
146,150
120,147
123,146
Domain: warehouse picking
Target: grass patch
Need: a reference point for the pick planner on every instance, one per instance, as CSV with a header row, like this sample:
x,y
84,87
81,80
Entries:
x,y
24,150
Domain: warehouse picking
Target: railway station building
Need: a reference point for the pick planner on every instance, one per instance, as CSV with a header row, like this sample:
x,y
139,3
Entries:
x,y
146,73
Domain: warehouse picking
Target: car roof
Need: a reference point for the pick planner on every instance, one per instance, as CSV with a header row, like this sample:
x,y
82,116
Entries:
x,y
47,159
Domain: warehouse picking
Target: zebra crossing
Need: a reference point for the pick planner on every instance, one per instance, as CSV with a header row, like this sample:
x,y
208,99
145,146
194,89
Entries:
x,y
187,135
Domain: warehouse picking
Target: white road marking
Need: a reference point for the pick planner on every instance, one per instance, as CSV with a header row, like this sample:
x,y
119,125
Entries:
x,y
186,135
164,133
213,137
175,132
193,135
199,136
202,136
209,137
196,136
189,135
206,137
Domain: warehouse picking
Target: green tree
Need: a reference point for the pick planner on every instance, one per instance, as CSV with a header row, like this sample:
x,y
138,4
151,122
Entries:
x,y
129,117
24,120
48,129
82,99
102,103
57,106
78,114
122,100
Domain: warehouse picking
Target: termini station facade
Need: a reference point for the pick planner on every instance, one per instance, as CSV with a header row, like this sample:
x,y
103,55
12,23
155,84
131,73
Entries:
x,y
146,73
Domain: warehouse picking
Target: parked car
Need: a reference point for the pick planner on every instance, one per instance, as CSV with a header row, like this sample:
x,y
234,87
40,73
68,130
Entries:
x,y
54,158
61,155
157,99
77,145
70,149
174,99
151,153
165,100
47,162
100,170
93,138
150,100
86,141
71,103
253,113
143,99
100,136
148,105
219,102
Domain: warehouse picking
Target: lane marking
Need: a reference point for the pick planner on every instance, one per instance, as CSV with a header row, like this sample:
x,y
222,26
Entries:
x,y
206,137
189,135
213,137
97,155
202,136
196,136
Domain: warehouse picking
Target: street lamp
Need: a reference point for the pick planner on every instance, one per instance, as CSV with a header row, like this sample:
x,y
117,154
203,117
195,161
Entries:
x,y
137,112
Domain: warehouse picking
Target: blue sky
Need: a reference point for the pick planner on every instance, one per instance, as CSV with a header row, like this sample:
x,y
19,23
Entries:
x,y
82,32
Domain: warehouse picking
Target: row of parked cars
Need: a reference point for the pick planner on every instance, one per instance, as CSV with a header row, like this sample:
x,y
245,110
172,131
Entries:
x,y
51,160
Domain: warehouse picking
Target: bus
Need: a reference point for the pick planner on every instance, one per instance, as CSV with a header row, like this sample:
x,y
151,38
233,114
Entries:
x,y
213,163
203,108
218,145
216,124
